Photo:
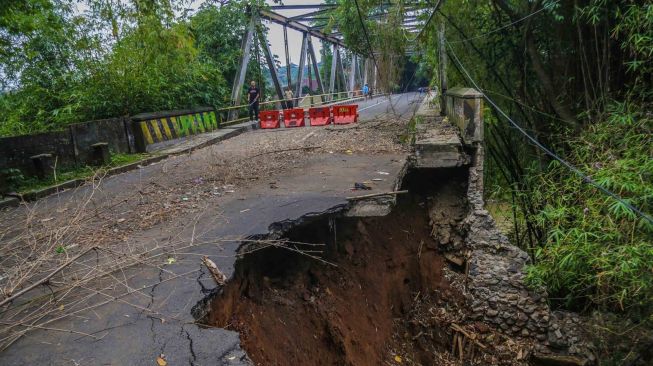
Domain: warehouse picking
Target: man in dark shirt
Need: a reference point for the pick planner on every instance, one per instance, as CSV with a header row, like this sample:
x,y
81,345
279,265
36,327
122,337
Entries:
x,y
254,94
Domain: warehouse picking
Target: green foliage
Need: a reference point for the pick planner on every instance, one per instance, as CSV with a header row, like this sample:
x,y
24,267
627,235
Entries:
x,y
556,67
385,35
58,67
596,250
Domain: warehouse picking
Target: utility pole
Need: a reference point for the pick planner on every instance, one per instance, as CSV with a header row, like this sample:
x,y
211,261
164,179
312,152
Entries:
x,y
443,71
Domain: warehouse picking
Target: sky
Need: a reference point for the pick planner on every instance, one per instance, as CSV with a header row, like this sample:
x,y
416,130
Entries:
x,y
275,35
294,37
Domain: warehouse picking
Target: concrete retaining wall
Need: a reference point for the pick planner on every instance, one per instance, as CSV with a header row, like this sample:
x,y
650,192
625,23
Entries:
x,y
464,107
72,146
69,147
153,128
15,151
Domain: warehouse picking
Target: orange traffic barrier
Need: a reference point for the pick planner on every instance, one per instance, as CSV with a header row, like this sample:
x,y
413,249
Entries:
x,y
345,114
293,117
319,116
269,119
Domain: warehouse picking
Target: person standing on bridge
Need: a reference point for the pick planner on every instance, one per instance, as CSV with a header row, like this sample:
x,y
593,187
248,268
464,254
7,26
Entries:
x,y
289,98
254,94
366,91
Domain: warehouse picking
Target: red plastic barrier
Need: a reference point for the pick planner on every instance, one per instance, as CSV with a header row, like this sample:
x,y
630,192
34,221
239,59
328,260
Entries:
x,y
345,114
293,117
269,119
320,116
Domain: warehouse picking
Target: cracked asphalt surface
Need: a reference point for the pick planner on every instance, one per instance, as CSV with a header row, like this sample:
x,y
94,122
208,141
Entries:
x,y
194,205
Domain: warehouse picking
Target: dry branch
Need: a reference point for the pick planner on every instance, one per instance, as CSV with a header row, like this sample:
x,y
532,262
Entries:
x,y
46,278
376,195
217,275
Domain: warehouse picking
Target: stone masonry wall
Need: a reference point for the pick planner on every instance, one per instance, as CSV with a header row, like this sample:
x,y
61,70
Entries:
x,y
497,292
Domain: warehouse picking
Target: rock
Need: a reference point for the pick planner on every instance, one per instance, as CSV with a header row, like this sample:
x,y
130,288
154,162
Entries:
x,y
558,333
491,313
481,327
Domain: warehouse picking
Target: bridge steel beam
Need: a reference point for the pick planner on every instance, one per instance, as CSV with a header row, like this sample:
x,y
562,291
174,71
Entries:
x,y
271,66
300,72
360,71
316,70
239,78
332,75
310,15
352,75
341,72
298,26
288,69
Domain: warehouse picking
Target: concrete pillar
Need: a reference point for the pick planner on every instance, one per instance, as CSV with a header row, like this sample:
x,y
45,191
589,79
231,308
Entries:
x,y
464,107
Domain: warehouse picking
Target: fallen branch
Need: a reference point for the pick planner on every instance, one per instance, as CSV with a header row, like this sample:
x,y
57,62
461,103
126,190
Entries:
x,y
46,278
376,195
54,329
472,337
217,275
280,151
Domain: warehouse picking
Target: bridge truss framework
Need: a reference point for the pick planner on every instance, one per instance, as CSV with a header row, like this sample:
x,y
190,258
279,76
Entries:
x,y
361,69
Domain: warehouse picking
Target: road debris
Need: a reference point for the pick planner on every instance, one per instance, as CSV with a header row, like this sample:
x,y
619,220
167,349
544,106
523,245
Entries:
x,y
217,275
361,186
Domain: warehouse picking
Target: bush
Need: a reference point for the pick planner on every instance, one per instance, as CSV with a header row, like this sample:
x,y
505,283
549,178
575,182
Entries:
x,y
597,251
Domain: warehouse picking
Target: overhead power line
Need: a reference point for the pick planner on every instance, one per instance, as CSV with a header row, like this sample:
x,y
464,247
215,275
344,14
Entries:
x,y
547,151
367,37
500,28
426,25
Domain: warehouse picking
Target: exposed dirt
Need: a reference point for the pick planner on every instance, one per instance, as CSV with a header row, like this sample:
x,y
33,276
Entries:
x,y
291,310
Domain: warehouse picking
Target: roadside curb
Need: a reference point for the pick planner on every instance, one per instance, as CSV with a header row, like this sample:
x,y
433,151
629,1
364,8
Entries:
x,y
9,202
34,195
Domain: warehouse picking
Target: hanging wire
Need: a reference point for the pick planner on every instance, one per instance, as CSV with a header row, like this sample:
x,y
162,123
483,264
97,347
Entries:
x,y
575,170
500,28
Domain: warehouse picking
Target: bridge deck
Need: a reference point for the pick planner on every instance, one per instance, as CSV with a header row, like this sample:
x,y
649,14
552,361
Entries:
x,y
184,207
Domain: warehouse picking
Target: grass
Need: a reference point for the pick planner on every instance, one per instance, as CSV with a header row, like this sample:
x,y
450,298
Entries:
x,y
409,136
26,184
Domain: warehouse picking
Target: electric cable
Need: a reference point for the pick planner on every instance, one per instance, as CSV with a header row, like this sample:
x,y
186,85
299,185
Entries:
x,y
500,28
534,141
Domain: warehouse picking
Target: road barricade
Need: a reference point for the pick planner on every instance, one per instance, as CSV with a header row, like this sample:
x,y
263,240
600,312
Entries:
x,y
345,114
269,119
320,116
293,117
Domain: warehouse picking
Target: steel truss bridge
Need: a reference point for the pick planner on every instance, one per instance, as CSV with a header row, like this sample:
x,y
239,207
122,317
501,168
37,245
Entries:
x,y
312,23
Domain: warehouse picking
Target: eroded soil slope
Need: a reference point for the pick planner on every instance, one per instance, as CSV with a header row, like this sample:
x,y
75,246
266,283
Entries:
x,y
293,310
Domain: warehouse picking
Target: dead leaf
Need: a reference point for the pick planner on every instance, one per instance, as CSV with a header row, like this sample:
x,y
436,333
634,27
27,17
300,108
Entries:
x,y
398,359
160,361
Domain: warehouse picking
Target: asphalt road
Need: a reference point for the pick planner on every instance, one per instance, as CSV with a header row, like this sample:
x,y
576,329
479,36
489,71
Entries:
x,y
396,105
157,319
